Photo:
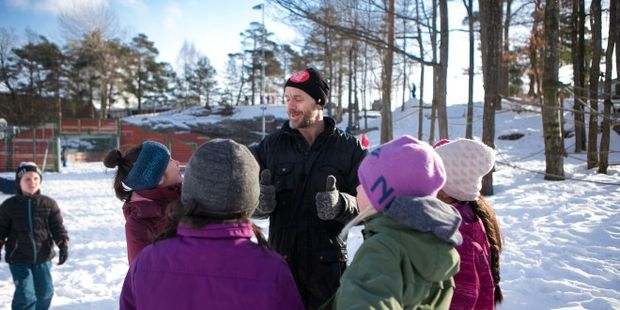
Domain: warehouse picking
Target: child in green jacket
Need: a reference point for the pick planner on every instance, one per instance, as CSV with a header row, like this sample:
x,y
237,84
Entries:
x,y
407,259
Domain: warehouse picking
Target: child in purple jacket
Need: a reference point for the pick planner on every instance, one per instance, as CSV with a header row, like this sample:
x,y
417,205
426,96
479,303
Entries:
x,y
206,259
477,283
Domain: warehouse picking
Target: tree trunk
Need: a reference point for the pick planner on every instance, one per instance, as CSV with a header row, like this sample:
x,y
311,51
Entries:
x,y
330,67
470,71
491,45
604,149
350,92
421,100
434,100
535,39
339,66
617,96
577,54
254,73
442,113
356,103
388,62
505,79
431,132
595,25
551,117
405,83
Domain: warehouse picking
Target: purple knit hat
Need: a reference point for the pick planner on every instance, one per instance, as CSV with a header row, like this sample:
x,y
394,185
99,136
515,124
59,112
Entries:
x,y
402,167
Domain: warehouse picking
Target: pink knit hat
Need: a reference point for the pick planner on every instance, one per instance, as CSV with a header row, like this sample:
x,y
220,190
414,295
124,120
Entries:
x,y
401,167
466,162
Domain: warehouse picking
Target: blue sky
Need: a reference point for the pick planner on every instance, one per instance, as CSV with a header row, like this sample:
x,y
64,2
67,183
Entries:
x,y
213,26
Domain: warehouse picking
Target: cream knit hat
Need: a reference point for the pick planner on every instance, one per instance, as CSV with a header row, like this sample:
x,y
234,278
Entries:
x,y
466,162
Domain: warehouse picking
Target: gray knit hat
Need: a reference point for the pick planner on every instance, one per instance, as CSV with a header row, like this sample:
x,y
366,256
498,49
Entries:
x,y
221,179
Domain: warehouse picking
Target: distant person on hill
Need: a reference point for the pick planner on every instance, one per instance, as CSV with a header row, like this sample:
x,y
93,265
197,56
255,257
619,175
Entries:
x,y
477,282
147,180
205,259
63,156
308,180
30,224
407,259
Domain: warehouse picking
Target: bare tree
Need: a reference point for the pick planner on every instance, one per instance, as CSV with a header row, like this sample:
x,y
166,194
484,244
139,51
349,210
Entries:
x,y
552,130
535,44
470,71
611,41
431,133
595,24
93,27
85,17
421,49
505,79
578,58
388,62
491,45
443,70
8,41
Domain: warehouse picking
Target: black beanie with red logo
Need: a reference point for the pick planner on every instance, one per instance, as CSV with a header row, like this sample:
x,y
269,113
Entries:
x,y
310,82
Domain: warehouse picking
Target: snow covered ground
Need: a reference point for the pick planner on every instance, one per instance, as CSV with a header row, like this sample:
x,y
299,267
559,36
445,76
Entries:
x,y
561,239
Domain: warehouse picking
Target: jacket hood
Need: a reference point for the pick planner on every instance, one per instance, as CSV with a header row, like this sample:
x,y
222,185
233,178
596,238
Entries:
x,y
434,259
427,214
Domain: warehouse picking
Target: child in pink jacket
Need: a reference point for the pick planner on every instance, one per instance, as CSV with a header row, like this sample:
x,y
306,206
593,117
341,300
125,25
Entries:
x,y
477,283
147,180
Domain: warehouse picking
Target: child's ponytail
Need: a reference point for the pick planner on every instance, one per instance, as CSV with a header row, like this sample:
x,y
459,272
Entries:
x,y
260,238
484,212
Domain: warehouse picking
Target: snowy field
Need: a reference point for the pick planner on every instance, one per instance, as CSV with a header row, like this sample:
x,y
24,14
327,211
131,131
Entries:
x,y
561,239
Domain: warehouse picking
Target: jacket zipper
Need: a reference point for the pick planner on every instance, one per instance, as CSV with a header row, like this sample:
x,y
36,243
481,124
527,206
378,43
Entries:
x,y
34,248
14,249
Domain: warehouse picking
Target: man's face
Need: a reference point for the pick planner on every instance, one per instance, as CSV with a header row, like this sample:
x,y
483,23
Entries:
x,y
303,111
30,183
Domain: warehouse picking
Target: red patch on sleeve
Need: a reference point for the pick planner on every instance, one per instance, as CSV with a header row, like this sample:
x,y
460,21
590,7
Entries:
x,y
300,76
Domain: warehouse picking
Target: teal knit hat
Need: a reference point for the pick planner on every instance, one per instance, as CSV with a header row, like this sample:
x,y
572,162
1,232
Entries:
x,y
149,168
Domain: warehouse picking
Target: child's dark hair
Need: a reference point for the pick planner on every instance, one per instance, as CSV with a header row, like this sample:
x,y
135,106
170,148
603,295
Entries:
x,y
180,213
484,212
115,158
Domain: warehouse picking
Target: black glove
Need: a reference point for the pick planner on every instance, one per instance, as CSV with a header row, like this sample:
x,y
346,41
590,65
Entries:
x,y
63,252
328,203
1,245
267,198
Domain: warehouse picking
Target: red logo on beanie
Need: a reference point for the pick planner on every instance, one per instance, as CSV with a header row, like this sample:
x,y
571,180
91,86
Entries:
x,y
300,76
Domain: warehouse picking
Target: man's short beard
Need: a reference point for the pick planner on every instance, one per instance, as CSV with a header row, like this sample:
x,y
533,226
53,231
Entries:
x,y
305,123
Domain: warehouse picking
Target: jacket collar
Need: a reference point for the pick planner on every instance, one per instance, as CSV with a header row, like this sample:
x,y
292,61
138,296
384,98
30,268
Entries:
x,y
217,231
164,195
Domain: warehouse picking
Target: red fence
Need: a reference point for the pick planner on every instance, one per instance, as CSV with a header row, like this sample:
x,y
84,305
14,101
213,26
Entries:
x,y
36,145
89,126
181,144
39,145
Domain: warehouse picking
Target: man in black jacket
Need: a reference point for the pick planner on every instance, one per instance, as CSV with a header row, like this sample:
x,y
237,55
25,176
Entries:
x,y
308,181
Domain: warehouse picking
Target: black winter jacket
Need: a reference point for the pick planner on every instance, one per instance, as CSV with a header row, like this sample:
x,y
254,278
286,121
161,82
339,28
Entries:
x,y
311,246
30,225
